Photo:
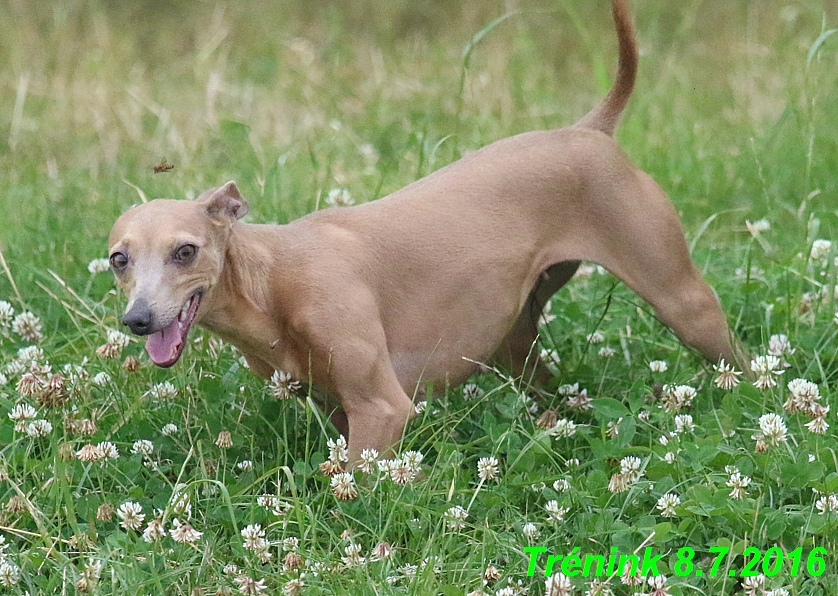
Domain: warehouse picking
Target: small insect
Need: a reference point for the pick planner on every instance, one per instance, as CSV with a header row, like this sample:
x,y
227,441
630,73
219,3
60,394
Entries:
x,y
163,167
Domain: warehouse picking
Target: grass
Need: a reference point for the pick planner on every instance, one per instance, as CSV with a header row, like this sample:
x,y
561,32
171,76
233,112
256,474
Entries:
x,y
295,99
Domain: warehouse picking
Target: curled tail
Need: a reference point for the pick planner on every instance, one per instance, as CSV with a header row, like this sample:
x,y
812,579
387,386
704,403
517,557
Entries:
x,y
604,117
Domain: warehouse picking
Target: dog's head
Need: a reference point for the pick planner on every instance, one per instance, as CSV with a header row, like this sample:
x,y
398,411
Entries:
x,y
166,256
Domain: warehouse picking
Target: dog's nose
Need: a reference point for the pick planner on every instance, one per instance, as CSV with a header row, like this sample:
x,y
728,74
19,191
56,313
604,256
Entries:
x,y
139,318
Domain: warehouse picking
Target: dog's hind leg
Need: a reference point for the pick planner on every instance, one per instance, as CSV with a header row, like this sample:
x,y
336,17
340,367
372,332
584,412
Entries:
x,y
646,249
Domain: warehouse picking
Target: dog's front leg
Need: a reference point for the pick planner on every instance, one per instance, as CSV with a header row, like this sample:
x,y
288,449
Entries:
x,y
360,371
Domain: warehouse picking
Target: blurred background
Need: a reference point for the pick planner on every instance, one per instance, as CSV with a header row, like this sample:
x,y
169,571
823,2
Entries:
x,y
292,99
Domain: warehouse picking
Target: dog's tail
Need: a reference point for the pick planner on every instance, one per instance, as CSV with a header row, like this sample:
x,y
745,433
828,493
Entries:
x,y
604,117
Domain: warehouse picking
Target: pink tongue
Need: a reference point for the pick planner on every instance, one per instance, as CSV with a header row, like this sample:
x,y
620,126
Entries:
x,y
162,346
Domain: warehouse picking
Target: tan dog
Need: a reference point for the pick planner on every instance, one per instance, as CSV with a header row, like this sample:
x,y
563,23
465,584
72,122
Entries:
x,y
371,303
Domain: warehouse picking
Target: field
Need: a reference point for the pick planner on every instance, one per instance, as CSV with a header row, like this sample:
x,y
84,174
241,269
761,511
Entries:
x,y
117,477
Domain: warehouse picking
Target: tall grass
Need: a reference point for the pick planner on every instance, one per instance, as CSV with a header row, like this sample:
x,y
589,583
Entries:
x,y
733,115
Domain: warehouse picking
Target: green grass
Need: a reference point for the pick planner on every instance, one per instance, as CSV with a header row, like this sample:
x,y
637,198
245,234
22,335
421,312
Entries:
x,y
294,99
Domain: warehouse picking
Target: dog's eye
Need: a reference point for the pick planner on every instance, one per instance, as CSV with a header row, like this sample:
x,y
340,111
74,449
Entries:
x,y
185,253
119,261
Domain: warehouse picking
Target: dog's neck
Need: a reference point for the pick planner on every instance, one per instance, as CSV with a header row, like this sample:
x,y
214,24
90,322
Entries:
x,y
241,304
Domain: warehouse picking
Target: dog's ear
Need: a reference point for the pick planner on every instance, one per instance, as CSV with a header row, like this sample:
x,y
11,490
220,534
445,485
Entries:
x,y
224,201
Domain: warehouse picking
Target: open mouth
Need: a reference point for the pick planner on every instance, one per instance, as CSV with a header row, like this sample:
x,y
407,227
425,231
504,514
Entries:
x,y
165,346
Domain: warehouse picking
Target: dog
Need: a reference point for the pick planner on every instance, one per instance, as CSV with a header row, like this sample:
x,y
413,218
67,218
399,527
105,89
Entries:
x,y
376,302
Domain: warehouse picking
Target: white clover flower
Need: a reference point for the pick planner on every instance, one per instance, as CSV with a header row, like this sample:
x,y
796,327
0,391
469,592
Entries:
x,y
368,459
818,425
766,367
413,459
252,587
669,457
101,379
755,227
739,484
3,380
773,429
381,551
400,471
181,503
619,483
184,533
728,377
564,428
472,391
658,366
820,249
606,352
658,584
456,516
338,451
267,501
30,355
101,265
343,486
22,413
803,397
7,313
290,544
163,391
143,446
108,449
282,385
131,514
339,197
530,531
487,468
245,465
568,389
631,575
631,467
28,326
15,368
580,401
678,397
684,422
554,512
352,555
90,453
254,537
118,338
168,429
754,585
292,587
558,584
38,428
561,485
778,345
827,504
595,338
154,531
667,504
9,573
